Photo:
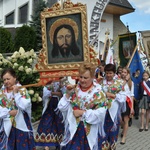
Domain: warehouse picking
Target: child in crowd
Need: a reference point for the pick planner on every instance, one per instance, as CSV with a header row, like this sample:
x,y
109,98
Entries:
x,y
144,105
129,88
119,71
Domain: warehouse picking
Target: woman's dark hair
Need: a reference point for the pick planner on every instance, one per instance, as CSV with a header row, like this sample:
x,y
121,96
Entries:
x,y
10,71
110,67
102,63
119,67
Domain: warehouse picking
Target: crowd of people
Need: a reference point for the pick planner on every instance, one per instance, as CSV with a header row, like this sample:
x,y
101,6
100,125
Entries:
x,y
87,115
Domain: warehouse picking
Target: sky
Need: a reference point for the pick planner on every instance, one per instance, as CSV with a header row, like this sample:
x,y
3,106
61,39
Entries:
x,y
139,20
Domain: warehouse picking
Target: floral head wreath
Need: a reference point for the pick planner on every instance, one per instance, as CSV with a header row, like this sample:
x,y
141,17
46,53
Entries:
x,y
60,22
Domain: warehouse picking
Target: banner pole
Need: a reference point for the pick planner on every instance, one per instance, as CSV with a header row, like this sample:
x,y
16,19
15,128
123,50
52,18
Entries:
x,y
132,56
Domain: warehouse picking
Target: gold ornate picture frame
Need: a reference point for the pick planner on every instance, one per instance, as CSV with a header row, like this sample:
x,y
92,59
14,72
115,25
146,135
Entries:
x,y
67,24
51,21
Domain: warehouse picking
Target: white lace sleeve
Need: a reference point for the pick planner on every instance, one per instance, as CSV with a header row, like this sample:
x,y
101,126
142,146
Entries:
x,y
22,101
121,96
64,103
46,95
95,116
132,89
4,112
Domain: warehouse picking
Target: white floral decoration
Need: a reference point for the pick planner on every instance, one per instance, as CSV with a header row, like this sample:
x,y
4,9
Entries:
x,y
21,51
39,99
24,64
21,68
31,92
30,61
34,99
28,71
36,95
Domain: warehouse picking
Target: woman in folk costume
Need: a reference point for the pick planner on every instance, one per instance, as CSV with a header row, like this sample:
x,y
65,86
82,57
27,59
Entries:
x,y
144,105
15,115
114,90
50,130
129,88
83,107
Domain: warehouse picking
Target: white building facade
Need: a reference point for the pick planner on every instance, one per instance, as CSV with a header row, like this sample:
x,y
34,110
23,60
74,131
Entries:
x,y
15,13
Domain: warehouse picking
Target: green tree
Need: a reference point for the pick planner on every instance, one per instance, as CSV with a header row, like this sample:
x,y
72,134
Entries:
x,y
36,22
6,43
25,37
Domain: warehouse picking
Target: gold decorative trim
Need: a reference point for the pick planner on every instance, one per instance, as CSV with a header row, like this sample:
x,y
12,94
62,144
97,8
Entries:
x,y
43,138
56,16
43,56
65,5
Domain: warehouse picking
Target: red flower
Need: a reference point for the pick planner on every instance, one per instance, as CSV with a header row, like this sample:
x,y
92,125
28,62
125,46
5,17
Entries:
x,y
114,89
3,102
75,108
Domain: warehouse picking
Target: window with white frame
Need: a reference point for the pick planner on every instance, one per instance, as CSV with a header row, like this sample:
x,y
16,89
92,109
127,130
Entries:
x,y
9,19
23,14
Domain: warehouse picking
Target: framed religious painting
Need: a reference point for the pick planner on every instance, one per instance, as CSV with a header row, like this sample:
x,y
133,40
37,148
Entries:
x,y
64,40
127,43
146,42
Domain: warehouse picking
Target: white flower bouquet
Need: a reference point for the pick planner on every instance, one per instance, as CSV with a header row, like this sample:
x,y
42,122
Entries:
x,y
24,65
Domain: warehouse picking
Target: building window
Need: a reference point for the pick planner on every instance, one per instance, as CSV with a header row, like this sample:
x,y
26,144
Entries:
x,y
10,18
23,14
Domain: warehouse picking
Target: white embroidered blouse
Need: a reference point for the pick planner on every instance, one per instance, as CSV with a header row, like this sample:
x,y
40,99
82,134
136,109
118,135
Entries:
x,y
8,101
119,103
95,104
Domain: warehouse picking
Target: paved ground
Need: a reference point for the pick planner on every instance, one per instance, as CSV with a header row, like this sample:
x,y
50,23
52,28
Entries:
x,y
135,140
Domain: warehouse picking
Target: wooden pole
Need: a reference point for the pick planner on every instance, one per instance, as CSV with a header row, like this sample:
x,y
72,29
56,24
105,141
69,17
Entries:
x,y
132,56
31,85
62,4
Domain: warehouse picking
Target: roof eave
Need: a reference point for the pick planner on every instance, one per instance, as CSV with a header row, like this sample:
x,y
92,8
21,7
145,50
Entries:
x,y
118,10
